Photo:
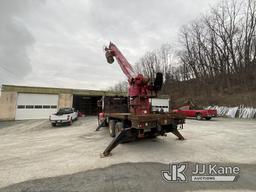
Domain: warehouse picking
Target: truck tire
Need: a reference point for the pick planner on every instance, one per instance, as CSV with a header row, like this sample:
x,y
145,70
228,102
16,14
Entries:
x,y
54,124
208,118
118,127
199,116
111,128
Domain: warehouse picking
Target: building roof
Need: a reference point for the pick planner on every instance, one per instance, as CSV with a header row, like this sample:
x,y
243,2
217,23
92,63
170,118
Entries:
x,y
52,90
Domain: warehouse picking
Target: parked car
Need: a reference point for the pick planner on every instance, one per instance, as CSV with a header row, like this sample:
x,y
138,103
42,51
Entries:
x,y
64,115
199,114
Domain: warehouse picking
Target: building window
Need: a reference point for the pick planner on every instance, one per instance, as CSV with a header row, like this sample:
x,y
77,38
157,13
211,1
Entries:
x,y
53,106
29,106
21,106
38,106
46,106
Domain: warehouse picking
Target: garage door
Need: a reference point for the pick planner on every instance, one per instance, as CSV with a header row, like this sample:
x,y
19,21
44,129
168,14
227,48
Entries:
x,y
35,106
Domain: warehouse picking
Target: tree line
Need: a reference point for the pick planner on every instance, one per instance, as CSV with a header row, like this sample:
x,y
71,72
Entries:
x,y
216,51
222,42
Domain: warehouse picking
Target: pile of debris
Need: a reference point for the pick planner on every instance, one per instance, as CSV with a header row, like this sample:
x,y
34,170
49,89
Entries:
x,y
235,112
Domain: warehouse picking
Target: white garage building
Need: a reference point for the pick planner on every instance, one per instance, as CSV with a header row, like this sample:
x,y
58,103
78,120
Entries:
x,y
23,102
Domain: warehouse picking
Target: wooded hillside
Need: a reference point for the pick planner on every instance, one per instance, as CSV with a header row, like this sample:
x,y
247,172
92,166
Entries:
x,y
215,60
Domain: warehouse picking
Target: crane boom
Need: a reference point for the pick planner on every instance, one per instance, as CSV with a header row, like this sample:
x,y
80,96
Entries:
x,y
140,87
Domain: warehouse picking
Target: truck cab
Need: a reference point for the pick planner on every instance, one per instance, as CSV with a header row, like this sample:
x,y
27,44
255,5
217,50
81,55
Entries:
x,y
198,113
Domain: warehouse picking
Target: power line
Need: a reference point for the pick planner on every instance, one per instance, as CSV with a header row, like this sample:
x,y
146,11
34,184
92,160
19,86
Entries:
x,y
9,71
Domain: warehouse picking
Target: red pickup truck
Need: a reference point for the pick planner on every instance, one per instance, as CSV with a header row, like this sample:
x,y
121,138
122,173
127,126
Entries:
x,y
199,114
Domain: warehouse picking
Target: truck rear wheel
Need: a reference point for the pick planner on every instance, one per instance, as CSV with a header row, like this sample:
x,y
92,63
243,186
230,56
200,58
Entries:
x,y
111,127
118,128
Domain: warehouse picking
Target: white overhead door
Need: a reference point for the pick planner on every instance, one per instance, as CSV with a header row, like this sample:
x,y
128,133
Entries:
x,y
160,104
35,106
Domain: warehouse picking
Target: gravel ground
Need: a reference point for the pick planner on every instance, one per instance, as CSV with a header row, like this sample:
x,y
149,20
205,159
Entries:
x,y
36,157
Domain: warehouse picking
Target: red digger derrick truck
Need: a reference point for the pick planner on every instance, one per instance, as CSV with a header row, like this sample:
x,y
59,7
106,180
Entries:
x,y
130,118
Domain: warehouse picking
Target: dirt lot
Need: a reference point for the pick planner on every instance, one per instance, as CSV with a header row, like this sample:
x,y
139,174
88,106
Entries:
x,y
36,157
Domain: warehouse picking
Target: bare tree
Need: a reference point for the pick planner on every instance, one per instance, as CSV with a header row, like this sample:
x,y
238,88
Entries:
x,y
222,42
120,87
159,60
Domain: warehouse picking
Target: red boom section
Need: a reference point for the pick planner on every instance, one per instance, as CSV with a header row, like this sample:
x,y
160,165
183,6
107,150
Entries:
x,y
122,61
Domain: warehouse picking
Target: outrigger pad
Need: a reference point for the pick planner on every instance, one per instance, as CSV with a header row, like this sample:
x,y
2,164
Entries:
x,y
116,141
103,156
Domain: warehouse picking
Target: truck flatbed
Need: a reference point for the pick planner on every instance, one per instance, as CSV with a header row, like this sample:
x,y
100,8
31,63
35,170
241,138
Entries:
x,y
156,116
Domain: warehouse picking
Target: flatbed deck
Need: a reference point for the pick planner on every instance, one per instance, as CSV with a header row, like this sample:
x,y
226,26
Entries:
x,y
145,117
131,116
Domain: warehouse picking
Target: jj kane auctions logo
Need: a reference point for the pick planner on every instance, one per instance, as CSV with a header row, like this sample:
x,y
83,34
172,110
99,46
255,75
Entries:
x,y
200,173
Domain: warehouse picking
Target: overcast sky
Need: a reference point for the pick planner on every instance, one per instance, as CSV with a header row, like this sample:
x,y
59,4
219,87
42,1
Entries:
x,y
59,43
